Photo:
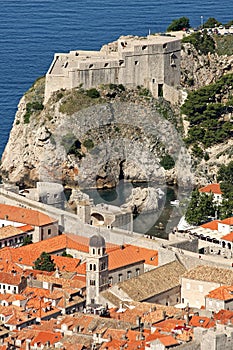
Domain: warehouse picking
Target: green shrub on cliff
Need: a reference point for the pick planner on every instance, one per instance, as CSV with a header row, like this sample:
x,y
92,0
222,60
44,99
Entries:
x,y
77,99
206,116
93,93
32,107
224,44
167,162
202,42
88,143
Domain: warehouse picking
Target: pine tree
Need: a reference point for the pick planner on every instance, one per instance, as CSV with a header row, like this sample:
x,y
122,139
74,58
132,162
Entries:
x,y
44,263
200,208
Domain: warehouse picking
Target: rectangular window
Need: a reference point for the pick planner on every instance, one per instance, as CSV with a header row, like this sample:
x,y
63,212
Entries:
x,y
92,282
49,231
120,277
160,90
200,287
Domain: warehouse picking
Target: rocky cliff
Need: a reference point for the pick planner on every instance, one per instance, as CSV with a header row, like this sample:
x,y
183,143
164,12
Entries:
x,y
94,138
87,141
199,70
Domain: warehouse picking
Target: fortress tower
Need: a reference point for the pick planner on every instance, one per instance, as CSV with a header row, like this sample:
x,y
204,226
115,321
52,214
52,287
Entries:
x,y
152,62
96,269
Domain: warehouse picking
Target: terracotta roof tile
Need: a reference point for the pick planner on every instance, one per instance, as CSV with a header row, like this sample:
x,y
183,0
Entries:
x,y
26,228
168,340
81,269
228,221
224,316
228,237
212,225
10,231
65,263
214,188
201,321
169,324
61,281
9,278
26,255
153,282
221,293
43,337
24,216
210,274
130,254
114,344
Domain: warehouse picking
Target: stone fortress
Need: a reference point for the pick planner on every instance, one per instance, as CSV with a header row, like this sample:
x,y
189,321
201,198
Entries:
x,y
152,62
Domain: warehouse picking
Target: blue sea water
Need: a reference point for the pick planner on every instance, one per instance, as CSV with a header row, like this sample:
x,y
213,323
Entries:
x,y
31,31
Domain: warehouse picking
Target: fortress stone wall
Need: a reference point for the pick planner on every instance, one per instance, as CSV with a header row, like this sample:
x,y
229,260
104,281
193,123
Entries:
x,y
152,62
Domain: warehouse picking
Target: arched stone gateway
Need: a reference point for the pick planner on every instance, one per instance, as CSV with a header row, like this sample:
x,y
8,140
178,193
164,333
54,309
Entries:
x,y
111,216
97,219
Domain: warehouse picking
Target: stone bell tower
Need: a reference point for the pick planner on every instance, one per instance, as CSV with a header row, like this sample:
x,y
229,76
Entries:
x,y
96,269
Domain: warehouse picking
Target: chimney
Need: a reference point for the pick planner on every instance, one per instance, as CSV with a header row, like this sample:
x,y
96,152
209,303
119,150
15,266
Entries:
x,y
141,337
28,346
138,322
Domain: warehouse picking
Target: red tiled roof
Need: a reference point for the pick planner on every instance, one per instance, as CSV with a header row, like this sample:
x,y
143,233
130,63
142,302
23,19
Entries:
x,y
26,255
65,263
214,188
26,228
130,254
201,321
81,269
168,340
113,344
24,216
212,225
221,293
228,237
9,278
10,231
228,221
62,281
224,316
44,337
169,324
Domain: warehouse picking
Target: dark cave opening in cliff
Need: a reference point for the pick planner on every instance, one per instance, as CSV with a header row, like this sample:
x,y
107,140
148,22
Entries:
x,y
121,172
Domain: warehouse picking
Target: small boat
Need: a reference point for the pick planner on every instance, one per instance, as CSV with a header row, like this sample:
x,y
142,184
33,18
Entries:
x,y
176,202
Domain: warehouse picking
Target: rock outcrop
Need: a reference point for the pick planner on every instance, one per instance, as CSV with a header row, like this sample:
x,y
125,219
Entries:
x,y
87,142
143,200
200,70
95,144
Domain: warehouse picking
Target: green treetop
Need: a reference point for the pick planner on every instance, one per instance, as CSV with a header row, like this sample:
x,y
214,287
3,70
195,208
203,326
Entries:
x,y
178,24
44,263
200,208
225,176
211,23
